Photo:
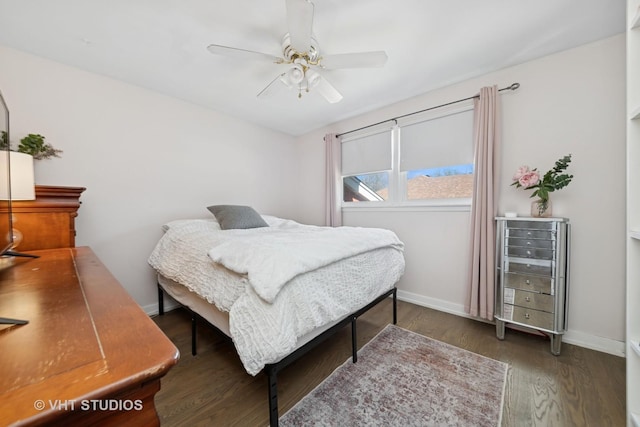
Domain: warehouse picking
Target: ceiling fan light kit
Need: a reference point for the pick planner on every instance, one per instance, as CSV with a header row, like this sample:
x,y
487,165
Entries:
x,y
300,49
295,74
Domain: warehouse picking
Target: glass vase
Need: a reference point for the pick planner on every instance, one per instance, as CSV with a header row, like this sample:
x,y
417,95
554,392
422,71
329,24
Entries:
x,y
541,208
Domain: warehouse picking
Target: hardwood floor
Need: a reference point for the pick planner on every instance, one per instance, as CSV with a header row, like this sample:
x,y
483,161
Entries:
x,y
580,387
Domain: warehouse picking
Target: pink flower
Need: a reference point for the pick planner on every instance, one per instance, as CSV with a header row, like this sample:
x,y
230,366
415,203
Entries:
x,y
520,172
529,179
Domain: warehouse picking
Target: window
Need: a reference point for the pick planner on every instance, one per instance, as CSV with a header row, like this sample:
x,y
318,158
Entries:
x,y
437,157
451,182
421,161
366,162
371,187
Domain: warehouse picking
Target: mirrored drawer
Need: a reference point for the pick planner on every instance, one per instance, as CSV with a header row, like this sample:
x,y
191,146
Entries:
x,y
531,225
518,266
530,252
529,283
527,316
531,243
531,234
526,299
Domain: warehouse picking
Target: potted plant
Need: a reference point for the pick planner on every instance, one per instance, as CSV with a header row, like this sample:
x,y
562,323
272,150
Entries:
x,y
35,145
553,180
32,144
4,140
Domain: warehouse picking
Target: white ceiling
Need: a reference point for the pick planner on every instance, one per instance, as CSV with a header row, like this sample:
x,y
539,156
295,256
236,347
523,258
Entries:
x,y
161,45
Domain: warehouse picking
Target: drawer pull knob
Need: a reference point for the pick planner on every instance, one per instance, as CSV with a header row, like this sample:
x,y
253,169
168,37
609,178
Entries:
x,y
526,316
528,233
528,252
528,282
528,242
527,299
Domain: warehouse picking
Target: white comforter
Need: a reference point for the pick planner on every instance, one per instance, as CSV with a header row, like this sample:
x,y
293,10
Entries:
x,y
265,331
272,256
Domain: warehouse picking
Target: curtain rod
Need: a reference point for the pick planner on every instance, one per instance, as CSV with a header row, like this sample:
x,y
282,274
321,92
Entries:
x,y
513,86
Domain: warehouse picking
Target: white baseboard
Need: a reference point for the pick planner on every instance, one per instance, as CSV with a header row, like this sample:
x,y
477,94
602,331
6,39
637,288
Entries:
x,y
434,303
153,309
593,342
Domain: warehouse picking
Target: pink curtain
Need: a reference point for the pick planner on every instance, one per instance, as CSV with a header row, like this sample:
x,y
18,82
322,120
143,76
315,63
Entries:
x,y
333,214
481,298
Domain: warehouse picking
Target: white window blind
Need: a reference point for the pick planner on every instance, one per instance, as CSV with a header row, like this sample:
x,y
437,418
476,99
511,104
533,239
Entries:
x,y
443,141
371,153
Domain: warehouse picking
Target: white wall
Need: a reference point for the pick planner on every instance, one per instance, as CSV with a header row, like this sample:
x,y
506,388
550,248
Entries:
x,y
570,102
145,159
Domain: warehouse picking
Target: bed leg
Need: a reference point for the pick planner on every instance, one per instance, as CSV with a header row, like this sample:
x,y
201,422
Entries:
x,y
160,301
395,306
354,340
272,377
193,333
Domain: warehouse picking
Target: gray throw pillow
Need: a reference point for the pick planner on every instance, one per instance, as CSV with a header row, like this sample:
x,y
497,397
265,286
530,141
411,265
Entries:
x,y
234,216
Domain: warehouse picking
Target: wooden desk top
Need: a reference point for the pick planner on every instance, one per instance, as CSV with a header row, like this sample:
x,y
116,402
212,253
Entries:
x,y
86,338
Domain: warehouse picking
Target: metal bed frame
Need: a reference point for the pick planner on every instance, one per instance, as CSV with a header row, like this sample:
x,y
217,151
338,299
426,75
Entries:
x,y
271,370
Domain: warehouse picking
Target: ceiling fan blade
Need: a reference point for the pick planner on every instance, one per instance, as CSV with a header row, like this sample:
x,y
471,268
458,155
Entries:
x,y
354,60
327,90
234,52
300,23
276,84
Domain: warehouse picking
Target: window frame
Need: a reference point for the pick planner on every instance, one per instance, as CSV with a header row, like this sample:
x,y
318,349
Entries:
x,y
397,199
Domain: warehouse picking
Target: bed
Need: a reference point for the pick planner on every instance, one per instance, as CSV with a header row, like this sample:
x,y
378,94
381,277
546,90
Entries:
x,y
276,287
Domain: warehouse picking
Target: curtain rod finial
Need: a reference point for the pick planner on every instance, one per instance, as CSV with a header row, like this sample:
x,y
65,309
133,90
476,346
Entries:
x,y
514,86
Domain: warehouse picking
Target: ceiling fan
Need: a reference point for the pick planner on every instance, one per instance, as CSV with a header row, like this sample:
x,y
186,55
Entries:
x,y
300,50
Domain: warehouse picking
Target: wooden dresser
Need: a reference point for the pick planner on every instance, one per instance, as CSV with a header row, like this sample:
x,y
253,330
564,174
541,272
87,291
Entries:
x,y
89,354
49,221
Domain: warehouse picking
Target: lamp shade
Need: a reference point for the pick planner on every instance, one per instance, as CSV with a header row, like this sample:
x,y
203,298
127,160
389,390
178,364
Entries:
x,y
22,177
295,74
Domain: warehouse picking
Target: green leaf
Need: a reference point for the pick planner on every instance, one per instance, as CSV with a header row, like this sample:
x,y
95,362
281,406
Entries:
x,y
543,193
34,145
551,181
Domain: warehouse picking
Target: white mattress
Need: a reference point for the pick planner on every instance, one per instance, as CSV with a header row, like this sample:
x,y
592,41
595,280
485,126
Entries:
x,y
193,301
220,319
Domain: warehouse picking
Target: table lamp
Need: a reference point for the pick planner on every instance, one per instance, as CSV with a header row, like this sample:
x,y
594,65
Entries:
x,y
22,185
22,188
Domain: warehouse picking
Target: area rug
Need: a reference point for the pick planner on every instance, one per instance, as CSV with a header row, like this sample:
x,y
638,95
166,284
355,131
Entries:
x,y
405,379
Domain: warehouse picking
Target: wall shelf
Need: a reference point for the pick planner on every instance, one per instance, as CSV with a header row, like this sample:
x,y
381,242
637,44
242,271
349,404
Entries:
x,y
635,114
635,345
635,420
634,234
